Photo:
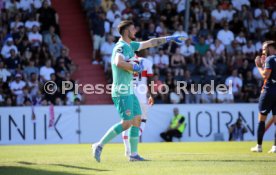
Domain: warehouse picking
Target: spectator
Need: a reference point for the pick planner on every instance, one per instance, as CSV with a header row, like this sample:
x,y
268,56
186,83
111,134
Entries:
x,y
176,128
5,52
201,48
17,85
263,23
230,12
33,84
217,49
161,61
145,14
178,63
106,5
157,87
249,84
249,49
244,69
51,97
241,38
224,96
53,41
150,33
115,24
235,83
168,15
106,52
187,49
35,38
31,22
25,5
67,60
151,4
61,70
14,26
111,14
236,131
218,15
98,31
239,3
47,17
128,12
46,71
250,25
13,62
208,62
22,98
4,73
121,5
71,96
208,96
38,98
225,36
175,96
180,31
38,3
31,68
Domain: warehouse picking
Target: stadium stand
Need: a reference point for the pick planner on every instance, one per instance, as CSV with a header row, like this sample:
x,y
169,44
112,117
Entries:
x,y
224,38
32,54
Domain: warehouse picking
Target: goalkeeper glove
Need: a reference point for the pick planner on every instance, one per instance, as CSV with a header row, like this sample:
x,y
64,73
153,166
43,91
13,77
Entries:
x,y
138,67
177,39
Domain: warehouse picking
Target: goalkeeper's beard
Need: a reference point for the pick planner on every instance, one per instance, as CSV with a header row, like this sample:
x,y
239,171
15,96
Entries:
x,y
130,37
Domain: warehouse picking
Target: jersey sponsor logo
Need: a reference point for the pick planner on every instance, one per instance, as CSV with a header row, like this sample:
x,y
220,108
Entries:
x,y
273,81
128,112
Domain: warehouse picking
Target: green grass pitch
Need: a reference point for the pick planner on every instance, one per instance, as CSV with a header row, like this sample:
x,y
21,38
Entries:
x,y
207,158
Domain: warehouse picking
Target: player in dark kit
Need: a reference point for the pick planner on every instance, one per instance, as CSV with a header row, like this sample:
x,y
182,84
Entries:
x,y
267,101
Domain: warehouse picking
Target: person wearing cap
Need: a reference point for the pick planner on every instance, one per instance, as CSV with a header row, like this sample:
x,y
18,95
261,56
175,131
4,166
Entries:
x,y
17,85
5,52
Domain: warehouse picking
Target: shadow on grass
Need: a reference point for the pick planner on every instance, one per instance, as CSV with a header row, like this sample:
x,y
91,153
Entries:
x,y
223,160
63,165
78,167
14,170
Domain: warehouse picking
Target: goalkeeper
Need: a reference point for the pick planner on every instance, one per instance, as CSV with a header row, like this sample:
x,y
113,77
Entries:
x,y
122,94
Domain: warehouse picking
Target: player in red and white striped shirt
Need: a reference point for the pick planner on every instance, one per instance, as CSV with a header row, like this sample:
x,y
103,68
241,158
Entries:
x,y
141,90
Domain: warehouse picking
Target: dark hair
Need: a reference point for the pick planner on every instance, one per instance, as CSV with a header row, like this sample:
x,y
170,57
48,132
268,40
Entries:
x,y
124,25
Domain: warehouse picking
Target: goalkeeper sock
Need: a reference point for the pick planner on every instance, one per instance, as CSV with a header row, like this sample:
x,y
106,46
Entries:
x,y
261,130
111,133
126,141
134,140
142,126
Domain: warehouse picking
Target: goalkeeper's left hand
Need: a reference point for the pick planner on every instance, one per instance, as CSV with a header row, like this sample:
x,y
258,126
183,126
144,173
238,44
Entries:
x,y
177,39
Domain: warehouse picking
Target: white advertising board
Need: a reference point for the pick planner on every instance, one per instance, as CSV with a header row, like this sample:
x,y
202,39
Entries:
x,y
17,126
91,123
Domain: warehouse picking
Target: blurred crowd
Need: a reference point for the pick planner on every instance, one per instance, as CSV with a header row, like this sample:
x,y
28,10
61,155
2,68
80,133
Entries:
x,y
32,54
224,38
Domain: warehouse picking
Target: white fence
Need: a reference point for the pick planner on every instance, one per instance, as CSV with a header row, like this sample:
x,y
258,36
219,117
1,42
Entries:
x,y
86,124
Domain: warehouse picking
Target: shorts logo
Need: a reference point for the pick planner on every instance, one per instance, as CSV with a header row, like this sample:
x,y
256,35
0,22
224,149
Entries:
x,y
128,112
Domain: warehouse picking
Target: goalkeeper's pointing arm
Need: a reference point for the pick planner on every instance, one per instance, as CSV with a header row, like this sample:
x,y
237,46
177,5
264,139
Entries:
x,y
162,40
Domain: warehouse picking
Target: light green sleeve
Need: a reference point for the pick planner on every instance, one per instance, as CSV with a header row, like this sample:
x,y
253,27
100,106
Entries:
x,y
135,45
